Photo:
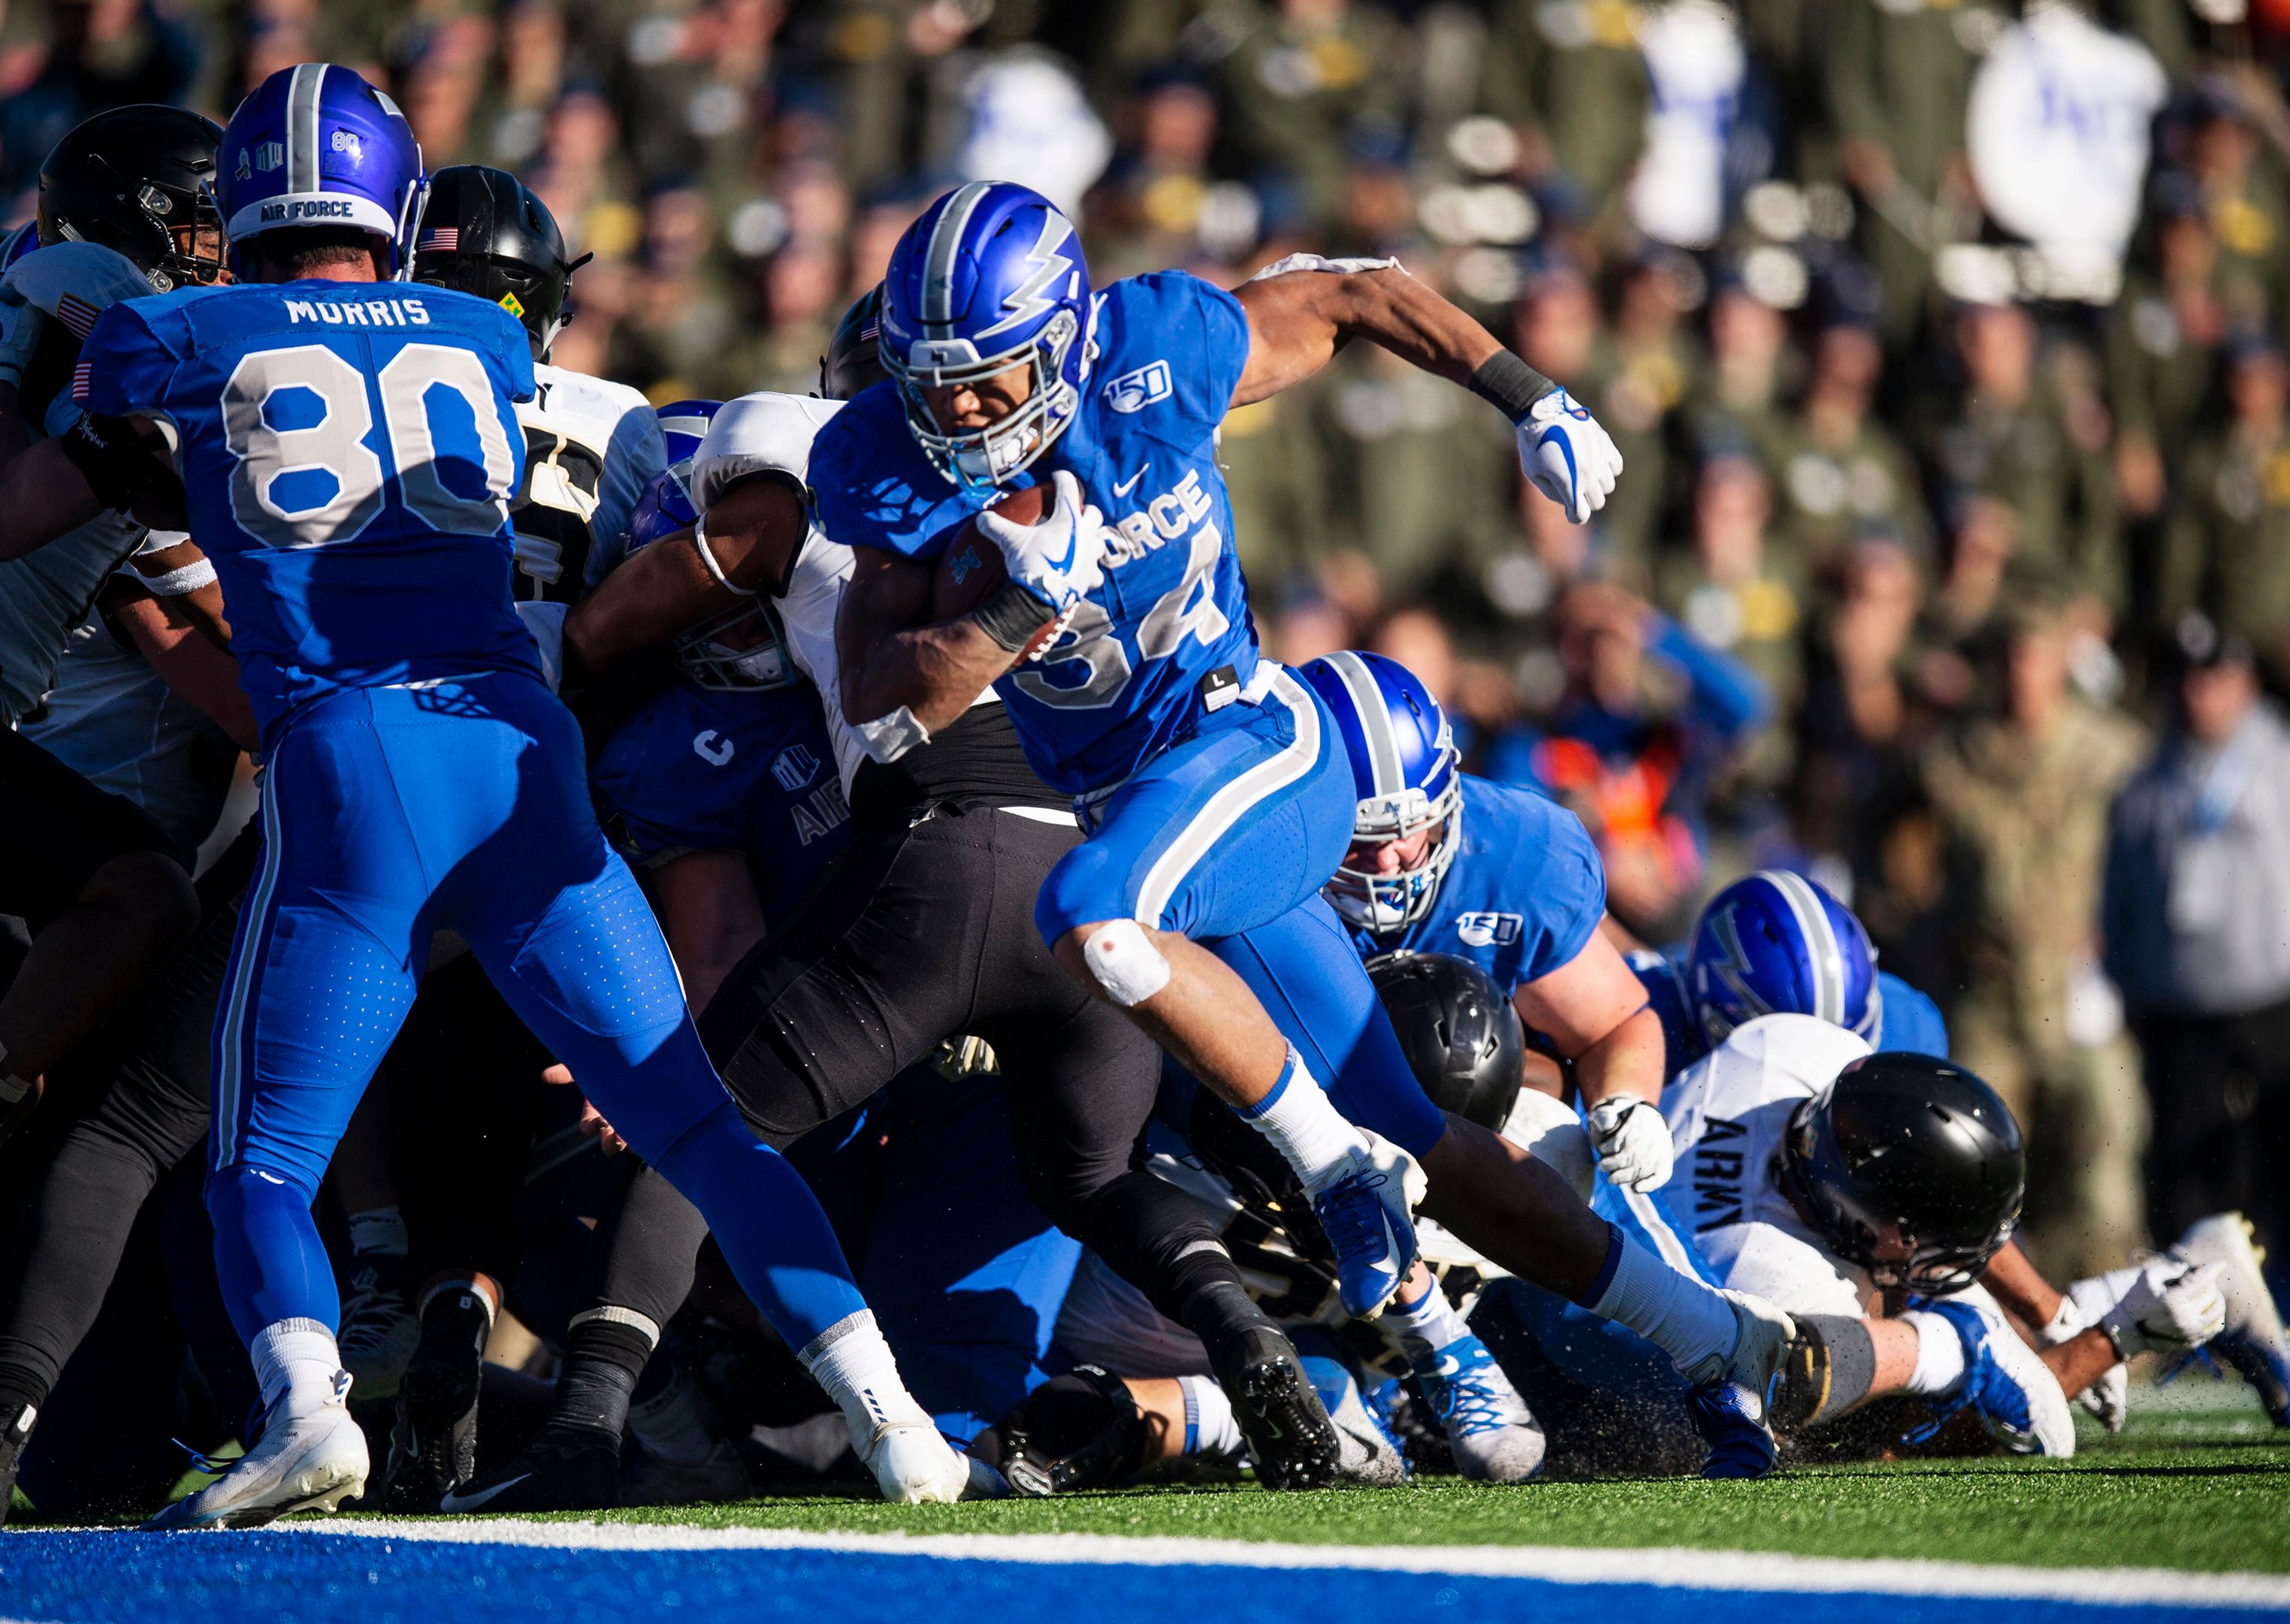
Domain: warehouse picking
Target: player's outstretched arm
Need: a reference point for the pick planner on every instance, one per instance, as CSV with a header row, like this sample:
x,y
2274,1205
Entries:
x,y
893,656
1303,310
1594,1009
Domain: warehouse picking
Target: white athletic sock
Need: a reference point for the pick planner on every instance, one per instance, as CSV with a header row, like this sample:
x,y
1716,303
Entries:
x,y
1426,1325
380,1229
1687,1320
853,1362
670,1424
1940,1356
1296,1116
299,1368
1210,1427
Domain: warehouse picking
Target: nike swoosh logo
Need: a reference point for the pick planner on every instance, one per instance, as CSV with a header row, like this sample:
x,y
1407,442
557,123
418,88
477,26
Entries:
x,y
455,1501
1062,564
1125,489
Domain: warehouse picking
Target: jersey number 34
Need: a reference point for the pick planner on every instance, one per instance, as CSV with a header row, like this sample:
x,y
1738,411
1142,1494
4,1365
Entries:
x,y
296,419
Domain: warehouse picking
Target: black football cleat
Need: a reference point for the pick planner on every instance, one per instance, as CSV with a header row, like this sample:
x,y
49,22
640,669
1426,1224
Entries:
x,y
1291,1440
434,1446
564,1468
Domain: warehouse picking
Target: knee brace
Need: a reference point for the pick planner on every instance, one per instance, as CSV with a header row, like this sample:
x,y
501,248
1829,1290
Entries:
x,y
1125,962
1827,1370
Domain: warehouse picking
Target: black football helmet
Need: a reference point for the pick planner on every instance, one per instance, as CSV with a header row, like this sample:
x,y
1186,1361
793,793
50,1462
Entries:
x,y
1461,1035
485,232
1911,1167
139,179
854,357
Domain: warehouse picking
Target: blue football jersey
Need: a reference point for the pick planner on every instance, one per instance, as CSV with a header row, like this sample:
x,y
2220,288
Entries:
x,y
696,770
1908,1022
1523,896
1122,681
348,451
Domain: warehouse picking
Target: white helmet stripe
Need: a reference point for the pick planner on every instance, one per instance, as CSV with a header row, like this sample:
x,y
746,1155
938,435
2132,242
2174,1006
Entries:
x,y
1820,942
945,243
1375,723
302,128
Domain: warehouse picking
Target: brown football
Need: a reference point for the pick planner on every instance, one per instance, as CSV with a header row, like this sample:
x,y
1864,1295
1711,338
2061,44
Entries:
x,y
970,570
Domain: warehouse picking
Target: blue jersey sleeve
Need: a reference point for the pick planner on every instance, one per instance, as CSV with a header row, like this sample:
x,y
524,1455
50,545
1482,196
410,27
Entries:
x,y
1183,340
125,365
874,486
1912,1022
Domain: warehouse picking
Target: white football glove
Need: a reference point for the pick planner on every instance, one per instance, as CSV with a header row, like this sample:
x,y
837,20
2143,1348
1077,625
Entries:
x,y
545,622
2170,1308
1060,559
1633,1141
1567,456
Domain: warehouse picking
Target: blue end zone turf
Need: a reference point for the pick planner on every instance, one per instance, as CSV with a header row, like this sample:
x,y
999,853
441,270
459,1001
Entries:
x,y
120,1578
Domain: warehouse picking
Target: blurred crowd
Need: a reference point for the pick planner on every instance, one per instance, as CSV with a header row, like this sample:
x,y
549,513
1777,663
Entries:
x,y
1942,339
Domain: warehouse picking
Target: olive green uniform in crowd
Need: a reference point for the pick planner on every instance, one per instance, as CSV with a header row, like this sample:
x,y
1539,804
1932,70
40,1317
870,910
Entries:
x,y
2228,546
1568,73
2031,817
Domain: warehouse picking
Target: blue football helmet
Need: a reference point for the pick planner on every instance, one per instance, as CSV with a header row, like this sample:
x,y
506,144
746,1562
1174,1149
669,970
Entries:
x,y
316,145
683,425
1776,943
741,649
1403,753
990,277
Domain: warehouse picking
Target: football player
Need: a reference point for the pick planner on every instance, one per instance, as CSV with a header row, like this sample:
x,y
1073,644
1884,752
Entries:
x,y
1215,799
364,548
921,934
592,445
122,214
1867,1192
1776,942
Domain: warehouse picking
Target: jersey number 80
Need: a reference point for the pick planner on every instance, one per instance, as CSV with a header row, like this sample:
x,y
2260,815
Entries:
x,y
297,421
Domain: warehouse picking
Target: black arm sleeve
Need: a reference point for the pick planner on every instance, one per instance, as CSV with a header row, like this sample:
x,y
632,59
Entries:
x,y
121,460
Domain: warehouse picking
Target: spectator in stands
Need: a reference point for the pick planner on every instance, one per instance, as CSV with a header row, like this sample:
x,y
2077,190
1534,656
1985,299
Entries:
x,y
2022,797
2228,551
1635,746
2198,927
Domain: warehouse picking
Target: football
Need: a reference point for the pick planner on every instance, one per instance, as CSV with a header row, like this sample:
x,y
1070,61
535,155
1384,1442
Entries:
x,y
970,570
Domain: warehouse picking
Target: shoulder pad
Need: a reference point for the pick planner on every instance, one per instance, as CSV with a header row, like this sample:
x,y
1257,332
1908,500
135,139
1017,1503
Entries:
x,y
76,282
761,432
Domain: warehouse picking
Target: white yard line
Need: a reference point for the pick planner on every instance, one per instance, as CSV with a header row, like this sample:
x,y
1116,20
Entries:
x,y
1671,1566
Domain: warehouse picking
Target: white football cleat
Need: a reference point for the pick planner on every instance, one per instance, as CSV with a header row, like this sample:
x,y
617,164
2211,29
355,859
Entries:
x,y
2253,1341
914,1466
315,1461
1492,1435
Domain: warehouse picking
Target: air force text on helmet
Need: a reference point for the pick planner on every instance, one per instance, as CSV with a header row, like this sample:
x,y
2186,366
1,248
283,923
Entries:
x,y
307,209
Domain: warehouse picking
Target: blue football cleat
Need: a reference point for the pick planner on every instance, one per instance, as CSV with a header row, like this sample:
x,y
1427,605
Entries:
x,y
1731,1419
2013,1392
1367,1212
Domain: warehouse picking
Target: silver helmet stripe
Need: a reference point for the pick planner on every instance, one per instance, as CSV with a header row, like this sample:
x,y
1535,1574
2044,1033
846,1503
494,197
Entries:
x,y
938,261
302,127
1375,723
1820,940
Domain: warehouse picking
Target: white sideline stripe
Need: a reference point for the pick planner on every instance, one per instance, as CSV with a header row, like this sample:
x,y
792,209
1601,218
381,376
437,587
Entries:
x,y
1671,1567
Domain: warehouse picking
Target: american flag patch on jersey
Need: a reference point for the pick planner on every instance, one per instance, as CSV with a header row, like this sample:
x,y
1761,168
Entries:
x,y
82,386
77,314
440,239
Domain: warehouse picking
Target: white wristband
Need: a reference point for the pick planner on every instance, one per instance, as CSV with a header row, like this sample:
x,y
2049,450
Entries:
x,y
175,583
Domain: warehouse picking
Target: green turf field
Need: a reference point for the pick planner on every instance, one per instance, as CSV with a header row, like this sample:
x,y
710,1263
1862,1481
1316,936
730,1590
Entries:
x,y
2200,1480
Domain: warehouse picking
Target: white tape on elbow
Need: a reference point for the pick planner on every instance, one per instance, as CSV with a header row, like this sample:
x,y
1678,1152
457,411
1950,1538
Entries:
x,y
1126,962
888,738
